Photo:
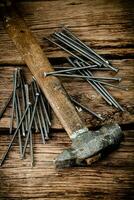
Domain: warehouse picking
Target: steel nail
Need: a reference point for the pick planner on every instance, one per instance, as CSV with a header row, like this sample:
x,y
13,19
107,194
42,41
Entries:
x,y
34,91
96,79
27,100
68,70
83,44
14,135
100,58
114,102
91,69
5,105
86,109
13,100
43,104
76,48
22,89
74,55
19,112
17,122
30,124
93,84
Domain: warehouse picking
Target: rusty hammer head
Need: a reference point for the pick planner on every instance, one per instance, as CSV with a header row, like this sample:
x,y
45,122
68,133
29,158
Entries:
x,y
86,144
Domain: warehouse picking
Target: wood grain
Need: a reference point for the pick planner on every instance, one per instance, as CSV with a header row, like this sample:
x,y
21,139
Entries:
x,y
109,176
85,94
107,26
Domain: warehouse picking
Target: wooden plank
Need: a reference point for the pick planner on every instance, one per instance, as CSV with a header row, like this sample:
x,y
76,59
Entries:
x,y
105,26
112,175
84,93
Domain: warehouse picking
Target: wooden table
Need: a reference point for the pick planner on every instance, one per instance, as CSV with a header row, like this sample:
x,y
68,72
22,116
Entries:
x,y
108,28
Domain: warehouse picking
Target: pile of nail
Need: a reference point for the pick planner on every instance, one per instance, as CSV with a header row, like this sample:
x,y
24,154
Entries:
x,y
84,61
31,112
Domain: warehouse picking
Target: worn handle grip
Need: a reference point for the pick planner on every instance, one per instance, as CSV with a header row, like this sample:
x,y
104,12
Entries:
x,y
38,63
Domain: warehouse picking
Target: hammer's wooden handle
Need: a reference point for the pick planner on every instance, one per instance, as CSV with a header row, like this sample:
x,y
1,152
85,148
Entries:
x,y
38,64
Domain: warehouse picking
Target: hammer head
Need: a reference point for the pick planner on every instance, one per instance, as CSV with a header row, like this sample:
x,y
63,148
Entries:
x,y
88,144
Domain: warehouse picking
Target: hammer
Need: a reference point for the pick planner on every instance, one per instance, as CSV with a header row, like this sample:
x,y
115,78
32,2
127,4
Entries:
x,y
85,144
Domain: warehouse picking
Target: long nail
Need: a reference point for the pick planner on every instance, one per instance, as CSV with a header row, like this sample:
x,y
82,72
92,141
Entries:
x,y
27,100
93,84
99,58
92,57
76,48
96,79
17,122
19,112
43,104
30,120
68,70
86,50
91,69
43,122
31,149
85,108
13,100
5,105
74,55
102,89
113,101
14,135
86,47
22,90
30,124
34,90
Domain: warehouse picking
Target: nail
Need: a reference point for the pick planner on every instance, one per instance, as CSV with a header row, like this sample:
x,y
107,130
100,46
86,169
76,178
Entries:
x,y
43,104
27,100
76,48
86,109
99,58
113,101
84,45
34,91
31,149
68,70
19,112
30,124
13,100
17,122
89,77
14,135
93,84
43,122
5,105
74,55
102,89
111,85
91,69
22,89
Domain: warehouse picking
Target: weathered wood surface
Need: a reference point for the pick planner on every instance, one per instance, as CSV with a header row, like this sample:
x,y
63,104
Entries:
x,y
110,178
107,26
84,93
